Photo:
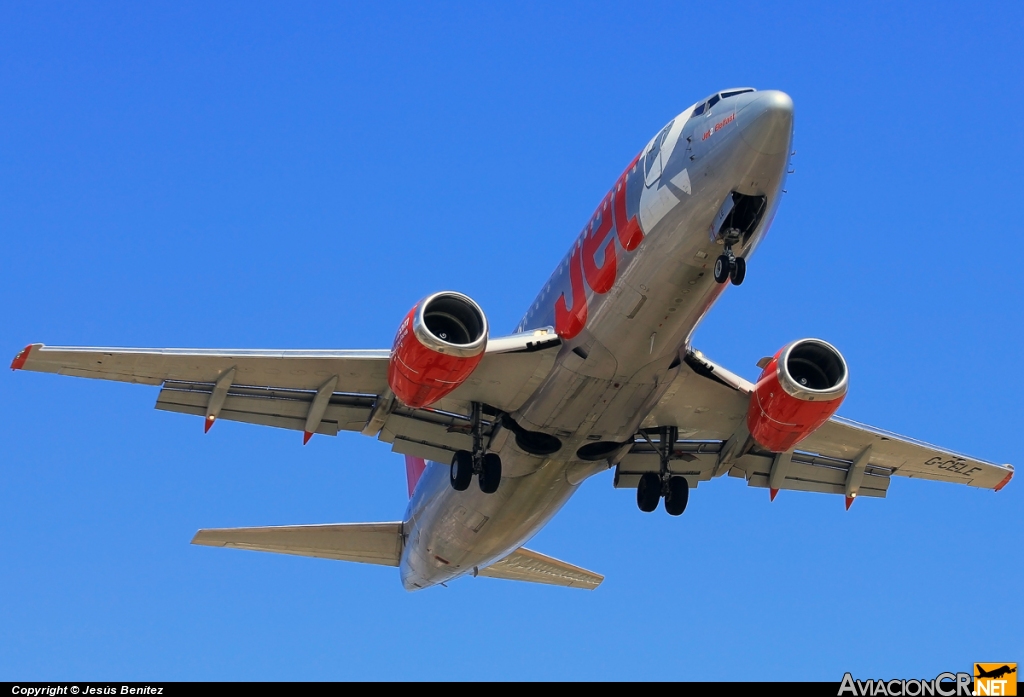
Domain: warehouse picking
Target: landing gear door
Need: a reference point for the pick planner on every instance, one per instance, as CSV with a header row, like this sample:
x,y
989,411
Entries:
x,y
726,208
737,219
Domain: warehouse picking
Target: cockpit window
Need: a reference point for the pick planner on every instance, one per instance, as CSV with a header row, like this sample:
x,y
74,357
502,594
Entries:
x,y
706,106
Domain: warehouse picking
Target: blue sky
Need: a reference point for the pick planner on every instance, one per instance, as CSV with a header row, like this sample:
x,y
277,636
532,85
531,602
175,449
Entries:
x,y
298,175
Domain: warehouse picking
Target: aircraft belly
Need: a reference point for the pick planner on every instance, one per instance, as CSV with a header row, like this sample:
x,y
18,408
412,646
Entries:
x,y
618,365
451,533
613,368
579,404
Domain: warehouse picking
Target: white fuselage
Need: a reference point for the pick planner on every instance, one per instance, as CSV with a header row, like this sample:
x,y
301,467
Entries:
x,y
610,374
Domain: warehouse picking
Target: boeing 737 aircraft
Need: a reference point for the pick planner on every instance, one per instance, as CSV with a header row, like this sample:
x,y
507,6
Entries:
x,y
599,374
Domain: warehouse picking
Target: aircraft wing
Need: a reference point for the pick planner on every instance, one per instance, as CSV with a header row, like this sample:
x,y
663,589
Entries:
x,y
315,391
708,404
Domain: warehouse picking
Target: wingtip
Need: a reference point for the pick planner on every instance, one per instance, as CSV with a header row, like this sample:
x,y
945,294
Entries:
x,y
849,501
208,537
208,423
306,435
772,493
19,361
1006,480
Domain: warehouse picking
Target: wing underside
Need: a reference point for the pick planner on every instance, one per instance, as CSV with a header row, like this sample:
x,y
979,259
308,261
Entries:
x,y
315,391
708,404
330,391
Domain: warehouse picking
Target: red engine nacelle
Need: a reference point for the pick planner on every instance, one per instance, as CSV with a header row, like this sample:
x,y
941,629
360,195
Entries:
x,y
440,342
799,389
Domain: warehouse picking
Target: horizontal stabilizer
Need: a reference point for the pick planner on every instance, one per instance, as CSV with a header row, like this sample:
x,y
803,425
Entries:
x,y
527,565
369,543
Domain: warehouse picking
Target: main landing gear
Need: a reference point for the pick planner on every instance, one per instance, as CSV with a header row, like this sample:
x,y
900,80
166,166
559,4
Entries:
x,y
487,466
655,485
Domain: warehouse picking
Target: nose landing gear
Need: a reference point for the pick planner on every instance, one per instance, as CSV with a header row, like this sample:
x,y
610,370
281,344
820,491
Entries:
x,y
487,466
728,266
655,485
735,222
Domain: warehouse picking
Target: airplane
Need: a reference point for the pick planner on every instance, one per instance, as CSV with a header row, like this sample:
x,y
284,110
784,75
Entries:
x,y
996,673
600,374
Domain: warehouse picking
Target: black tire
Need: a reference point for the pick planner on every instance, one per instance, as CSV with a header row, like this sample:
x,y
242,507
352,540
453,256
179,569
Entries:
x,y
490,474
648,492
462,470
722,269
739,272
678,495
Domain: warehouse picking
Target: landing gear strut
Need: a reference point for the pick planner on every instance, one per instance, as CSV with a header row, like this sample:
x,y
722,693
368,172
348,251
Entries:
x,y
728,265
653,486
487,466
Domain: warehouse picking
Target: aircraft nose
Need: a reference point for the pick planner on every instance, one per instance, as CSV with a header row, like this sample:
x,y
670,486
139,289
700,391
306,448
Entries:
x,y
767,122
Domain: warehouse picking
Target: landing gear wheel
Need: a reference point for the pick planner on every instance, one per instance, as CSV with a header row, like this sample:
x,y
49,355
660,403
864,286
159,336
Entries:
x,y
490,473
677,496
462,470
739,271
648,492
722,268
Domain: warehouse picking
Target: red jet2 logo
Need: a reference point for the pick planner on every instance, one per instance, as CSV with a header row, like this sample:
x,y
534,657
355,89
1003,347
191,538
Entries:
x,y
718,126
583,261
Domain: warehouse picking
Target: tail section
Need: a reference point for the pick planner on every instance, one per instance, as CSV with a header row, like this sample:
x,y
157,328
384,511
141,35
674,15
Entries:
x,y
369,543
414,467
526,565
381,543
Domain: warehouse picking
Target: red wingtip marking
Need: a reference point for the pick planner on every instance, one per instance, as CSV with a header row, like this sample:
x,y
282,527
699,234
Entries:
x,y
1006,480
306,435
849,502
772,493
19,361
209,423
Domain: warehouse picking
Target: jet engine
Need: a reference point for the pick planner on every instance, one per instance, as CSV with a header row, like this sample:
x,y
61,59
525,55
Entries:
x,y
799,389
439,343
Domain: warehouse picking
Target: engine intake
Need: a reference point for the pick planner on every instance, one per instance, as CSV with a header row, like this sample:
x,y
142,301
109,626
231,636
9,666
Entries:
x,y
439,343
798,391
